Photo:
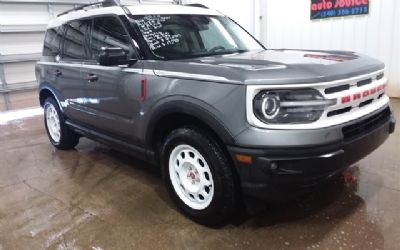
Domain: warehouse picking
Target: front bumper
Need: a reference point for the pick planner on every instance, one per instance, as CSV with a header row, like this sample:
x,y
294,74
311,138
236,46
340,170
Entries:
x,y
277,172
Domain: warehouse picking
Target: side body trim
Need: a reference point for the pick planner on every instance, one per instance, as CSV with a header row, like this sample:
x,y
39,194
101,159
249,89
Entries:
x,y
199,77
131,149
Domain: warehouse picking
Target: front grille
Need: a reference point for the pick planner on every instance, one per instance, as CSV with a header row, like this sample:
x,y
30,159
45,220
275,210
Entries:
x,y
339,111
364,82
353,95
367,125
344,100
366,103
337,89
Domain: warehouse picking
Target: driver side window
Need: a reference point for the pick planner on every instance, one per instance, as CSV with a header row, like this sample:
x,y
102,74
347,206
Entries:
x,y
108,32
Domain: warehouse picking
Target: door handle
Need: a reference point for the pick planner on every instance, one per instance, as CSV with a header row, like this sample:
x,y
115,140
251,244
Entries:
x,y
58,73
91,78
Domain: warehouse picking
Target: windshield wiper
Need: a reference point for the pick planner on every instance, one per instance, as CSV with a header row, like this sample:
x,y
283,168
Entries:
x,y
226,52
231,52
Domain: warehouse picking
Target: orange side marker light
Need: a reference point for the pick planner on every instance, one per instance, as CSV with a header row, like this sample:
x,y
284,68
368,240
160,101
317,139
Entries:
x,y
246,159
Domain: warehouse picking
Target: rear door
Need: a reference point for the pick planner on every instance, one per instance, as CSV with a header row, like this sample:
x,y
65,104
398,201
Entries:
x,y
113,92
50,63
70,81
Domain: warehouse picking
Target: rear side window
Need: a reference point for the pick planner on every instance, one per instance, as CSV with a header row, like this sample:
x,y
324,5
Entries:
x,y
75,40
52,41
108,32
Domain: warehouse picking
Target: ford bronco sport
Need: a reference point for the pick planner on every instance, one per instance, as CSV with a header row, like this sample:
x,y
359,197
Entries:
x,y
187,88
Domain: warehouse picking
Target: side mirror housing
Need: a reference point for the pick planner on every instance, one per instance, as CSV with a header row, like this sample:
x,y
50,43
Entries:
x,y
113,57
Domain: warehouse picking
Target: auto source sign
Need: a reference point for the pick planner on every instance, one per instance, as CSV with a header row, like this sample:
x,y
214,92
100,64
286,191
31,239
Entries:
x,y
337,8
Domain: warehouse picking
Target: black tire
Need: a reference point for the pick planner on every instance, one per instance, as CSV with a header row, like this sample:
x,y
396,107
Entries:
x,y
224,202
68,138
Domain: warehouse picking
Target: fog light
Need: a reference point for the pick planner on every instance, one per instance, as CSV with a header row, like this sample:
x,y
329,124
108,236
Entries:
x,y
274,166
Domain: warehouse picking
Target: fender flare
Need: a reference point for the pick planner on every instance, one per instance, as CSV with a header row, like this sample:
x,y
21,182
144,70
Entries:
x,y
47,87
191,107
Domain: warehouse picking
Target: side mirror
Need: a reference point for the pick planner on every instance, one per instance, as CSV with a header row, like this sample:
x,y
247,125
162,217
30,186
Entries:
x,y
113,57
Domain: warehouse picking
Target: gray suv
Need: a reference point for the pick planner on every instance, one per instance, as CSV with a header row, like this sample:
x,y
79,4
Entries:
x,y
227,120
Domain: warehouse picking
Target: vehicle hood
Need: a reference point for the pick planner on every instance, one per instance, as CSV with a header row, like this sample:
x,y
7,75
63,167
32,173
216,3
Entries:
x,y
274,66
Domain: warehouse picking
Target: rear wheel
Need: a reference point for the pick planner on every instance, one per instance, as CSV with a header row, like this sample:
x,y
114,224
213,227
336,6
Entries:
x,y
60,135
199,176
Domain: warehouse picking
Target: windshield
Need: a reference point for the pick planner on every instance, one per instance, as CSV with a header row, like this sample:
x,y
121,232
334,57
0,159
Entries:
x,y
186,36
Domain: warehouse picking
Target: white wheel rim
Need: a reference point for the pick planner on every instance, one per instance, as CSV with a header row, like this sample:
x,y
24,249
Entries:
x,y
191,177
53,122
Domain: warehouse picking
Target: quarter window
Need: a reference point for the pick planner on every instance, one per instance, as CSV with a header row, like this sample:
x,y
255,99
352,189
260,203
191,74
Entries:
x,y
108,32
52,41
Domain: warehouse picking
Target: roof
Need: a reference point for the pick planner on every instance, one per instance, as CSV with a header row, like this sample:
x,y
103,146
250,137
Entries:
x,y
141,9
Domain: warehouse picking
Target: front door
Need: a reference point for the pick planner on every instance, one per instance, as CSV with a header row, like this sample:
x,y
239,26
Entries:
x,y
113,92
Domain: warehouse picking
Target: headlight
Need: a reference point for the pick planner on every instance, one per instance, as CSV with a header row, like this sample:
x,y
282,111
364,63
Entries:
x,y
290,106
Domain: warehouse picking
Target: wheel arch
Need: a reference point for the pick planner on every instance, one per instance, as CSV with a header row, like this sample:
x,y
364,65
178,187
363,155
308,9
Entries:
x,y
46,92
183,113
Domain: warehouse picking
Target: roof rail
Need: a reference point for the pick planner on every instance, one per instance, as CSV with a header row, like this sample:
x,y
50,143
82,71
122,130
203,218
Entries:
x,y
199,5
105,3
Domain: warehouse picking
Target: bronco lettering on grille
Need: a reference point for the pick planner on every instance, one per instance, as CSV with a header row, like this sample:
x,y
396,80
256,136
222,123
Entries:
x,y
366,93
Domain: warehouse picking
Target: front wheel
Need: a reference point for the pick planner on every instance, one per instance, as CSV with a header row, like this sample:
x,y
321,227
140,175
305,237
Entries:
x,y
60,135
199,177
